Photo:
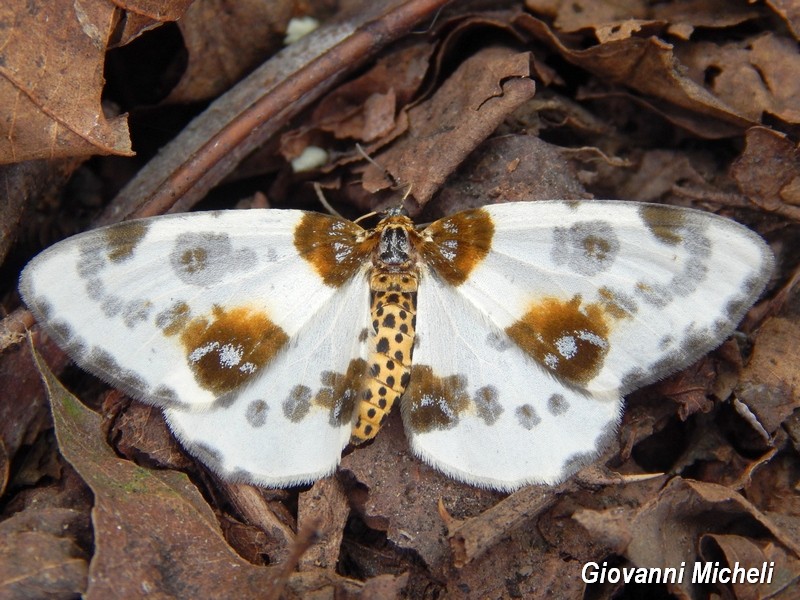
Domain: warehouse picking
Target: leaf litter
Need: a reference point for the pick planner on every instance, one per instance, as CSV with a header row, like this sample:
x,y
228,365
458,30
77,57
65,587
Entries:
x,y
692,103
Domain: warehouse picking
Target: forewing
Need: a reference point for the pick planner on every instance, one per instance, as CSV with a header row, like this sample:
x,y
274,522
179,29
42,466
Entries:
x,y
185,310
605,295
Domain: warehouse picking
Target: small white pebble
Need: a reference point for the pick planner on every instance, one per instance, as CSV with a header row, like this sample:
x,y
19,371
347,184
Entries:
x,y
311,158
298,27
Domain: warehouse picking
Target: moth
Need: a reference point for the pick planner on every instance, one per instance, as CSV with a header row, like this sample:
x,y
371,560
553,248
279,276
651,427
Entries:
x,y
509,333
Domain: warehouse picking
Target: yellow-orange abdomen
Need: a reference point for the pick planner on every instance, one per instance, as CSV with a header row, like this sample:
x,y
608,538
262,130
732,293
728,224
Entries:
x,y
393,309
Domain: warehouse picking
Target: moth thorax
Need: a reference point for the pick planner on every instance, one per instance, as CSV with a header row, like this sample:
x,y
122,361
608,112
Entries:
x,y
391,342
394,248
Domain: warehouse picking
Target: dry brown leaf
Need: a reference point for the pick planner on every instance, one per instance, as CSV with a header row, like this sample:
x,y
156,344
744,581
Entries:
x,y
139,433
264,512
642,108
612,19
770,384
666,531
774,490
143,15
24,414
607,140
685,16
542,553
385,587
762,557
402,494
657,173
465,110
358,109
260,105
153,530
522,566
471,538
326,503
33,183
756,76
789,11
690,388
768,172
583,14
51,79
226,40
39,558
647,65
365,109
510,168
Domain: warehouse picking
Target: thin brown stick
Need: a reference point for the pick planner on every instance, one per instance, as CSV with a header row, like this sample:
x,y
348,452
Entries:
x,y
206,152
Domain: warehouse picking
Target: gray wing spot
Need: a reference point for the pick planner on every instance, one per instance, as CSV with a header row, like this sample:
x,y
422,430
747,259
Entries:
x,y
203,259
61,331
632,380
588,247
527,417
557,405
132,312
64,335
126,379
111,305
95,289
695,268
167,397
256,413
741,303
498,341
581,459
92,257
297,405
666,342
136,311
691,345
487,404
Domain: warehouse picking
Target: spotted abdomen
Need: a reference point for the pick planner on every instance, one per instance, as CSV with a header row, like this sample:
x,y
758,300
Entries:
x,y
394,310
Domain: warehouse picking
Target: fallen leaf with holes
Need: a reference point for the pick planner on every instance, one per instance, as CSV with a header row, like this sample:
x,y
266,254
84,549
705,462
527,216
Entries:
x,y
49,114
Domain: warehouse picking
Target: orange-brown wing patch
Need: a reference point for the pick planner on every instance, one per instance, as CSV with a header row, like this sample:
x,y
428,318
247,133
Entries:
x,y
455,245
227,348
570,339
335,247
433,402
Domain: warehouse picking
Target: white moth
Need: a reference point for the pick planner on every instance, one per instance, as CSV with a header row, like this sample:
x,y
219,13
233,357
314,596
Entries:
x,y
272,338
